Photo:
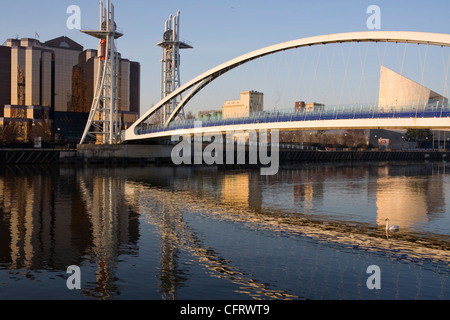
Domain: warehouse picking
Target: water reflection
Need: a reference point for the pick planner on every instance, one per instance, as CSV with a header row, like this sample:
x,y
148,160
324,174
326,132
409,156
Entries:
x,y
164,209
51,218
54,218
113,223
410,200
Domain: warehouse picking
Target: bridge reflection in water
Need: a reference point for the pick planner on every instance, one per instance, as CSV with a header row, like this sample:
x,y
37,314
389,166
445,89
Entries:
x,y
162,228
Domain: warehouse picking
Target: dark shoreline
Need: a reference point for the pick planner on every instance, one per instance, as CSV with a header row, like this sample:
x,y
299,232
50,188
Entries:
x,y
286,156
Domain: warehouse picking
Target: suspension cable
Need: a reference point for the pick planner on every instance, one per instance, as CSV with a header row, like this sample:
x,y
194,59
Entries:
x,y
446,70
330,73
422,63
346,63
363,67
315,65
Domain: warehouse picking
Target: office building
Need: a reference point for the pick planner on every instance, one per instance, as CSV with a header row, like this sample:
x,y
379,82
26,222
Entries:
x,y
50,85
301,106
250,101
84,82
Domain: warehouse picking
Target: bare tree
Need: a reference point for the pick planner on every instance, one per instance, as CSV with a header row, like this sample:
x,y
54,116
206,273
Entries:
x,y
189,115
156,118
354,138
43,130
11,133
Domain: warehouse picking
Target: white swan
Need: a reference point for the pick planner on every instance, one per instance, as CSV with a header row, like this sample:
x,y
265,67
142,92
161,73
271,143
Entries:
x,y
392,228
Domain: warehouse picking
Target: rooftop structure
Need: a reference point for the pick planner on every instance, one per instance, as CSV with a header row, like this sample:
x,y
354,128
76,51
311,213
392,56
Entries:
x,y
250,101
301,106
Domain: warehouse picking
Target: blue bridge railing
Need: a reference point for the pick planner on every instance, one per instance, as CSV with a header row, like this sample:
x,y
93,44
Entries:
x,y
325,113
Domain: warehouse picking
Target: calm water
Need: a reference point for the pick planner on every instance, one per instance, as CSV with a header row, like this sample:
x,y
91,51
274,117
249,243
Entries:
x,y
309,232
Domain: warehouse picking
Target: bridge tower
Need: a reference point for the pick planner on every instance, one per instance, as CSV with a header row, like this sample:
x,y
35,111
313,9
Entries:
x,y
103,123
170,63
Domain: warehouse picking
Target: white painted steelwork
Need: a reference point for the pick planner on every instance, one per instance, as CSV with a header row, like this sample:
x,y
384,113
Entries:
x,y
198,83
103,124
170,63
393,124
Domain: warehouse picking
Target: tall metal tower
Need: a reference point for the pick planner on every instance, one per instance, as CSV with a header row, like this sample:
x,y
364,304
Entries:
x,y
103,123
170,63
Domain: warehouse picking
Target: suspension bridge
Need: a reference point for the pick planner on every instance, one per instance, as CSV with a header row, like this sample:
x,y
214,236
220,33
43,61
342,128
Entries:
x,y
429,115
435,116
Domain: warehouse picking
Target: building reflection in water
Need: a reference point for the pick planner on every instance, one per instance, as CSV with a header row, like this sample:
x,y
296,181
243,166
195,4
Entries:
x,y
409,198
54,218
241,189
113,223
308,187
166,213
235,189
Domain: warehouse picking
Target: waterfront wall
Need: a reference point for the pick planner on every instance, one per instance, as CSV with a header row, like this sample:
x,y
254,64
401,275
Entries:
x,y
129,154
361,155
124,153
29,156
88,154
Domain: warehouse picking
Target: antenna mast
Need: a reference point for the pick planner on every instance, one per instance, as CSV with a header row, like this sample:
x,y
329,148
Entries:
x,y
170,64
103,123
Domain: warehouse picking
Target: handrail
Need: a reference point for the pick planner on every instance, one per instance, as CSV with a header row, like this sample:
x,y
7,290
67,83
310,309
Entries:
x,y
346,112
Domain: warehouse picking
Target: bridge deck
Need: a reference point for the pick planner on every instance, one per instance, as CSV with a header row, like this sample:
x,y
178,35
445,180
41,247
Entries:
x,y
354,118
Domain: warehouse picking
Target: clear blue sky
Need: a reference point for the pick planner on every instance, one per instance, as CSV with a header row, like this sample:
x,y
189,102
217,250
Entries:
x,y
218,30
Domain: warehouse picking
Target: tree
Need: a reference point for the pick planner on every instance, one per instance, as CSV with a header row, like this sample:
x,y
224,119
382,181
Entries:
x,y
11,133
418,135
320,135
155,118
189,115
41,129
354,138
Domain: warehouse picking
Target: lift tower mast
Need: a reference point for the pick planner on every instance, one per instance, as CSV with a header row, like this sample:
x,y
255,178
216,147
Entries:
x,y
103,123
170,63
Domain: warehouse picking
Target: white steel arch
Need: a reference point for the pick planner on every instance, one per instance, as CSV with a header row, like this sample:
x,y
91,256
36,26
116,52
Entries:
x,y
198,83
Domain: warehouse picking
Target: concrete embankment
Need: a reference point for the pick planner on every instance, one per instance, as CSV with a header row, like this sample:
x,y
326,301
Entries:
x,y
30,156
141,154
162,153
88,154
360,155
126,154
